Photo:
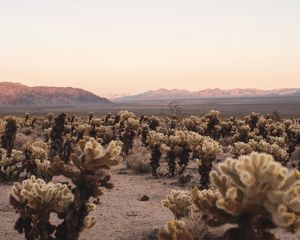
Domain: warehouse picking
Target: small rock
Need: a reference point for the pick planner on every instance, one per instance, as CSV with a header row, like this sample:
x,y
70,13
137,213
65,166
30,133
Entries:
x,y
144,198
132,214
122,172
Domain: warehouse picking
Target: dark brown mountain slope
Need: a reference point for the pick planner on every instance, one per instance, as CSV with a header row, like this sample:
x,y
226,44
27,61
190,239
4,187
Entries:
x,y
18,94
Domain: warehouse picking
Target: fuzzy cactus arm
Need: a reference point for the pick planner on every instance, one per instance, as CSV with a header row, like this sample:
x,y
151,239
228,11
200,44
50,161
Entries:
x,y
175,230
179,202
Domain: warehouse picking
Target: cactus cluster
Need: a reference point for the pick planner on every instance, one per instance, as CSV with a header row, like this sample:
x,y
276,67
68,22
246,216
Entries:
x,y
179,202
255,192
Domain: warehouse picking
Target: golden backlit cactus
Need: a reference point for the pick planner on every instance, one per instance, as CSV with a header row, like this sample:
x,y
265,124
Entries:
x,y
125,115
36,194
89,171
10,166
39,150
193,123
155,138
132,123
2,126
174,230
206,150
179,202
241,148
15,157
155,141
284,202
255,192
93,156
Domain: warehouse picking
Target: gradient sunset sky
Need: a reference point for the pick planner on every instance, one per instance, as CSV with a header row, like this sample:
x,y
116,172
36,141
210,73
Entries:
x,y
131,46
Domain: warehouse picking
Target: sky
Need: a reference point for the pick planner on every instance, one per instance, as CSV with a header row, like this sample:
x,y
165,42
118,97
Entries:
x,y
131,46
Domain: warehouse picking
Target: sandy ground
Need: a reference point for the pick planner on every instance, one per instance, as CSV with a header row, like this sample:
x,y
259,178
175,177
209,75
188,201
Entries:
x,y
121,215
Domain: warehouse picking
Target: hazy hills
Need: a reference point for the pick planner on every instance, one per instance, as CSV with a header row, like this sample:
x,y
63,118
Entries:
x,y
19,94
173,94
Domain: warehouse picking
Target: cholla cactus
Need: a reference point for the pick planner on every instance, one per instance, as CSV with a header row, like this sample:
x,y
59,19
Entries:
x,y
36,194
212,119
91,115
10,165
153,123
206,149
252,119
226,128
180,145
277,129
126,125
155,140
243,132
9,135
88,171
50,117
240,148
280,141
2,126
105,133
56,136
175,230
275,150
144,134
192,123
36,159
35,200
179,202
124,115
255,192
93,157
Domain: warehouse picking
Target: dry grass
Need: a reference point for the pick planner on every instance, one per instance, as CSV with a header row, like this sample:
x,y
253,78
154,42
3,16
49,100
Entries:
x,y
139,158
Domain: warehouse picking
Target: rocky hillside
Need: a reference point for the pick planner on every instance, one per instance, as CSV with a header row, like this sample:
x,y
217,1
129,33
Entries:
x,y
18,94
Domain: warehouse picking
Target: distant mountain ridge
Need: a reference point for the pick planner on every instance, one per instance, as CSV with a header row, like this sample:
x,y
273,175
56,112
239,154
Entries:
x,y
19,94
173,94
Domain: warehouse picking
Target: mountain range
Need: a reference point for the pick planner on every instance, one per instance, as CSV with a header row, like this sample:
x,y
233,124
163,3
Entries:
x,y
166,94
19,94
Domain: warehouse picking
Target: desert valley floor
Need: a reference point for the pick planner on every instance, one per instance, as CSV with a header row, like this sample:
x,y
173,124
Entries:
x,y
121,215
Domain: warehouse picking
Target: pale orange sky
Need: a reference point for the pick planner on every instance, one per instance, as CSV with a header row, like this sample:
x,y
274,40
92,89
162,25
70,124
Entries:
x,y
133,46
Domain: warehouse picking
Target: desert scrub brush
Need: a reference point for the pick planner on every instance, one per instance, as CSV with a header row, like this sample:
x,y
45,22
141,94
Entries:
x,y
179,203
35,200
255,192
175,230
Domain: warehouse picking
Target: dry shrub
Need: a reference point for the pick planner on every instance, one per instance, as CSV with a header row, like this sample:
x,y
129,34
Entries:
x,y
197,227
139,158
21,140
